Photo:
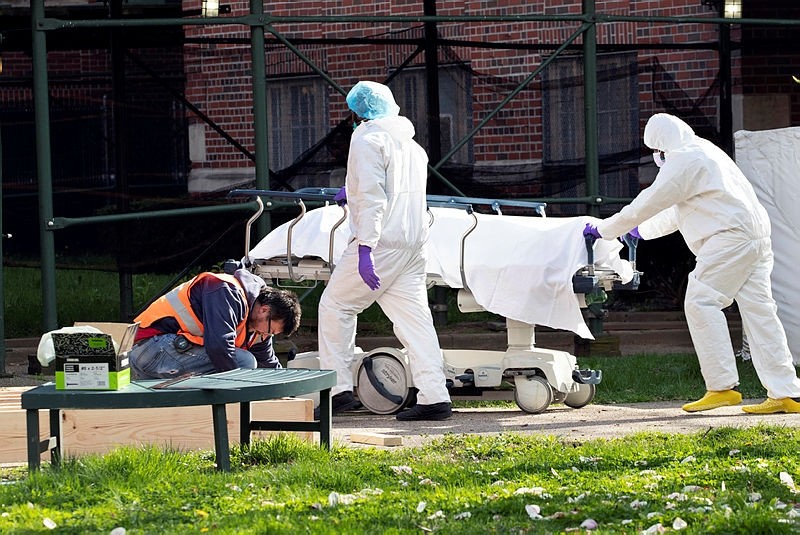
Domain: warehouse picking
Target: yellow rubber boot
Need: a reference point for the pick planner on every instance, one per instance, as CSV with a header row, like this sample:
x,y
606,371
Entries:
x,y
772,406
714,400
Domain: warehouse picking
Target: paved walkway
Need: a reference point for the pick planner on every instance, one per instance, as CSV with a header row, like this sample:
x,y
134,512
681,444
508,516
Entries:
x,y
590,422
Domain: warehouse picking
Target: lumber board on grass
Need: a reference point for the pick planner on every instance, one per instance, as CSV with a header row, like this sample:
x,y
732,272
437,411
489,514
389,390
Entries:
x,y
13,442
9,396
178,427
377,439
101,430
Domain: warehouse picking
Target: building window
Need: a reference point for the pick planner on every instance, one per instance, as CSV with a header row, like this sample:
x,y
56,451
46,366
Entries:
x,y
617,127
455,107
298,117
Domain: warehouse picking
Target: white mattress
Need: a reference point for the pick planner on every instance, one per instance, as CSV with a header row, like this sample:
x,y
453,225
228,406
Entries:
x,y
515,266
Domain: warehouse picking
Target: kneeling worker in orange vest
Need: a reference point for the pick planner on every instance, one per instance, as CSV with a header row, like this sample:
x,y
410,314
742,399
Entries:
x,y
213,323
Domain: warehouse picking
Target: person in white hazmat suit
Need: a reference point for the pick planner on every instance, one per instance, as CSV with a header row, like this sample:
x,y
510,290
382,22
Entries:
x,y
701,192
385,189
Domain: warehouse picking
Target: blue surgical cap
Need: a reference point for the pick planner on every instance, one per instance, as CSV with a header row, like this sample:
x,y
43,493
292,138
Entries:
x,y
372,100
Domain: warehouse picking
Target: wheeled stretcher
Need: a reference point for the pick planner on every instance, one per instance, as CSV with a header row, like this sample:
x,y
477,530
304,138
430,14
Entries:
x,y
530,269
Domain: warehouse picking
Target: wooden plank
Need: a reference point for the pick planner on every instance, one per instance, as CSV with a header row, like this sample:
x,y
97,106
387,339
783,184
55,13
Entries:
x,y
179,427
9,396
378,439
13,443
187,428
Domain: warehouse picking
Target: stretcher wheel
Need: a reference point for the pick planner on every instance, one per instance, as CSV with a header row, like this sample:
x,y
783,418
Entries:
x,y
532,393
382,384
582,397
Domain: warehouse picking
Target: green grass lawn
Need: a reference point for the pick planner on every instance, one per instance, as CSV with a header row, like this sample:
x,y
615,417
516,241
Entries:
x,y
651,377
726,481
82,295
723,481
89,295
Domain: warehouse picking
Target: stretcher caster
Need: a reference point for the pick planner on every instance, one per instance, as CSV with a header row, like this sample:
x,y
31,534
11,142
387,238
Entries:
x,y
582,397
383,386
533,393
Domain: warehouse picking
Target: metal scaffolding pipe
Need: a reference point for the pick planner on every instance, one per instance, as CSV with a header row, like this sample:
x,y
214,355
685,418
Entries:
x,y
57,223
51,23
260,121
591,152
44,175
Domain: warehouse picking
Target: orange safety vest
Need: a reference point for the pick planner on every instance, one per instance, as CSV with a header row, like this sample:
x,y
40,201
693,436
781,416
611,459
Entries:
x,y
175,304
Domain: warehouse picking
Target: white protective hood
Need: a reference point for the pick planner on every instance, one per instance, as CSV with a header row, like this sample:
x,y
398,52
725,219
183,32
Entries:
x,y
697,183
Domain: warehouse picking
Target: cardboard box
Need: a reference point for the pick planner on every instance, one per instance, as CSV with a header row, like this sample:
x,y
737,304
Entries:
x,y
94,361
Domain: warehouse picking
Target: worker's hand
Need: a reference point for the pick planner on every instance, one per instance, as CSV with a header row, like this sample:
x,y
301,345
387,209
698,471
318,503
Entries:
x,y
634,233
591,230
341,197
366,267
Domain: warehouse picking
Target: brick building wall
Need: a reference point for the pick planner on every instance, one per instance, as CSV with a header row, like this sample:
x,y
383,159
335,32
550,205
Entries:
x,y
218,79
525,139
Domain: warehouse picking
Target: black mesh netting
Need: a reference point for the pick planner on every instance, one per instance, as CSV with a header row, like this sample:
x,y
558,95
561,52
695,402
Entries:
x,y
631,87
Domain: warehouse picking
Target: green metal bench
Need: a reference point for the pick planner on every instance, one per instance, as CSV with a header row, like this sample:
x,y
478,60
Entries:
x,y
216,390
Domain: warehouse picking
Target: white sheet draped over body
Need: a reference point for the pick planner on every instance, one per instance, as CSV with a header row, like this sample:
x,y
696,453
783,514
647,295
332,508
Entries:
x,y
515,266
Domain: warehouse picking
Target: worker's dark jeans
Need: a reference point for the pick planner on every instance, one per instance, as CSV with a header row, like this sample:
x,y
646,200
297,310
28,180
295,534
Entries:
x,y
158,358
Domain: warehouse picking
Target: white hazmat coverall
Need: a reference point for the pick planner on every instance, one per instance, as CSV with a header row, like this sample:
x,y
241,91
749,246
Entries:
x,y
386,188
702,193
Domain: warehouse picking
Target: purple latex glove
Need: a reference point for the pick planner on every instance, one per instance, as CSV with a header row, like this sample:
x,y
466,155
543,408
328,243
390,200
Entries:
x,y
634,232
591,230
341,197
366,267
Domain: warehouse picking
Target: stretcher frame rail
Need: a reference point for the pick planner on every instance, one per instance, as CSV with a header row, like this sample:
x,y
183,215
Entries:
x,y
589,280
